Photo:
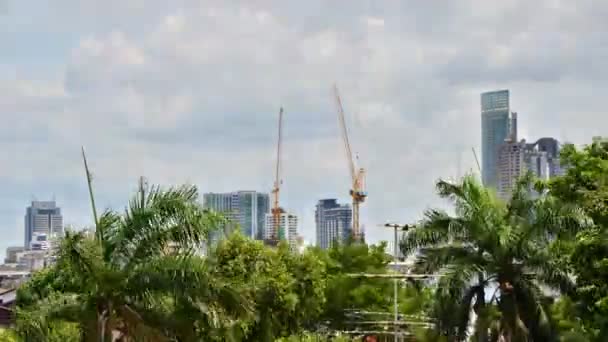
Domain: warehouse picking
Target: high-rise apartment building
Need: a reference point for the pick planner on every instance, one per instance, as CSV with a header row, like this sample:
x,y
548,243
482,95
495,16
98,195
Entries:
x,y
497,125
42,217
288,228
247,209
517,158
333,222
552,147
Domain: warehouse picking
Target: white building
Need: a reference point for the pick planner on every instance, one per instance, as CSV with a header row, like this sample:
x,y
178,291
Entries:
x,y
288,228
40,242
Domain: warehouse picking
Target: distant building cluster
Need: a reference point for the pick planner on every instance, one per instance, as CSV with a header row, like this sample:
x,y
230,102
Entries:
x,y
249,211
504,156
43,227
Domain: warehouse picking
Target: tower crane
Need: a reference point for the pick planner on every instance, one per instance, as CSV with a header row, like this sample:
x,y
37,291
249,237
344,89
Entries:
x,y
276,209
357,191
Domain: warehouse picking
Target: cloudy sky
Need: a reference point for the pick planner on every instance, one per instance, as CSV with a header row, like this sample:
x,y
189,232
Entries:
x,y
189,91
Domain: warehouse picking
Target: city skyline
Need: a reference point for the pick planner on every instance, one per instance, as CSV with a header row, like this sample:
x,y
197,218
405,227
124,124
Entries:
x,y
189,93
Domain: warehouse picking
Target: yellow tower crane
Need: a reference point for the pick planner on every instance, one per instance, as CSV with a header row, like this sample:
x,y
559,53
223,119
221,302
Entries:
x,y
276,209
357,191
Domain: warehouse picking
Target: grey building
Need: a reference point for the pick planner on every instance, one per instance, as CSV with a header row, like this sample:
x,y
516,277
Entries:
x,y
42,217
333,222
518,157
245,209
551,147
497,125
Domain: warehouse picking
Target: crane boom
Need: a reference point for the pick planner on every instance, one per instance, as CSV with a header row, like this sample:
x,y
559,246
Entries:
x,y
357,191
344,131
276,209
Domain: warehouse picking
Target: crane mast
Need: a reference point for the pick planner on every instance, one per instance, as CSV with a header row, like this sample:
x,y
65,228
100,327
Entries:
x,y
276,209
357,191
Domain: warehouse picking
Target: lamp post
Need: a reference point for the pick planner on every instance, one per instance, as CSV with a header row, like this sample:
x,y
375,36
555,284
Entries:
x,y
397,228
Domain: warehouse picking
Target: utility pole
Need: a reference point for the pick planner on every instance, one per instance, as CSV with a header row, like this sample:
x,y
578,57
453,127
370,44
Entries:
x,y
397,228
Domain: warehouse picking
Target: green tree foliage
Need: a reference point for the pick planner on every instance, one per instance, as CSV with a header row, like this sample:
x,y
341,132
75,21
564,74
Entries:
x,y
287,288
569,325
586,184
139,277
348,293
506,247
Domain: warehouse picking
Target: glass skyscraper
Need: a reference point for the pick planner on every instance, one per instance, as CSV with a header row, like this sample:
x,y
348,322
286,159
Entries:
x,y
247,209
496,125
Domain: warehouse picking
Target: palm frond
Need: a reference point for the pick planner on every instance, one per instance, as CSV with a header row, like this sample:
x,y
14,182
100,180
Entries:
x,y
37,323
435,229
533,310
431,260
82,255
166,219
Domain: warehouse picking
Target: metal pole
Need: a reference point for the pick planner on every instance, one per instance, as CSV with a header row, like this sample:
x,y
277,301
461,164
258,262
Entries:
x,y
395,284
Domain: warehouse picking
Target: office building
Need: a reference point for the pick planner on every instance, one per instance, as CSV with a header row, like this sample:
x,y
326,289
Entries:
x,y
288,228
43,217
333,222
244,209
497,125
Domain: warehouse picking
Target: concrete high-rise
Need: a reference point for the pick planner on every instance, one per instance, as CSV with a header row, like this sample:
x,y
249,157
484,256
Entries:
x,y
247,209
333,222
552,147
515,158
497,125
42,217
288,228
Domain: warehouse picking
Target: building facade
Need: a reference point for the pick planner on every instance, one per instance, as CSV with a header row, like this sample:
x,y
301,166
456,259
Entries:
x,y
333,222
245,209
497,124
516,158
43,217
288,228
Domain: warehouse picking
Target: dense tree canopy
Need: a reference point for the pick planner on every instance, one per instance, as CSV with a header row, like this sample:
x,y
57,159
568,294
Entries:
x,y
586,184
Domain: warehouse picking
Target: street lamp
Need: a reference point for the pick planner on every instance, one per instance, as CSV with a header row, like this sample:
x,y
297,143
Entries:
x,y
397,228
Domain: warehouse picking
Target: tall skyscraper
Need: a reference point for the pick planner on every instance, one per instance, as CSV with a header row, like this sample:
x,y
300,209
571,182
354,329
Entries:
x,y
333,222
42,217
497,124
288,228
247,209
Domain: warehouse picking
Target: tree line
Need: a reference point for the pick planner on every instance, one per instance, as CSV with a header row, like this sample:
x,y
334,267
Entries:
x,y
533,268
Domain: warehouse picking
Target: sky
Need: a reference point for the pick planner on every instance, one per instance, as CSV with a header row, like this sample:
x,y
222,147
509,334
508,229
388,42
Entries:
x,y
189,92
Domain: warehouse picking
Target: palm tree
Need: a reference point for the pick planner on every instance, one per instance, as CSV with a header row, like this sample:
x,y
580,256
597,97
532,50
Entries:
x,y
140,278
492,245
